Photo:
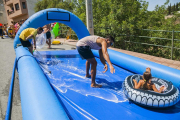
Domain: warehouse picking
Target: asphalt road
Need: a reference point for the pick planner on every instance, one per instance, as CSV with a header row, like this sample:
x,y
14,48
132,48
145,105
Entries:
x,y
7,58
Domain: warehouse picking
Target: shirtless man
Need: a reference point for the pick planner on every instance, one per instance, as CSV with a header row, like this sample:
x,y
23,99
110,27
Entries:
x,y
48,34
84,47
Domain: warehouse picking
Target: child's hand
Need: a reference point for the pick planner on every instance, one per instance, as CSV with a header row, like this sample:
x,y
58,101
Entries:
x,y
148,69
163,88
134,81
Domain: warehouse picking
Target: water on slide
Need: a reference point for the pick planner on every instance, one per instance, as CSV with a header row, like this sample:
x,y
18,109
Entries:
x,y
82,102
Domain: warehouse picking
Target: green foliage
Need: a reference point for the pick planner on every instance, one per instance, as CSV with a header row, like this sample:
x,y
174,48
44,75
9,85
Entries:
x,y
44,4
174,8
125,19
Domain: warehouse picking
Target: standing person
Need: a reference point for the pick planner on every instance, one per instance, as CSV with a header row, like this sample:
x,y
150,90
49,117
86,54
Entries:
x,y
13,28
84,47
1,31
5,29
47,29
16,27
28,34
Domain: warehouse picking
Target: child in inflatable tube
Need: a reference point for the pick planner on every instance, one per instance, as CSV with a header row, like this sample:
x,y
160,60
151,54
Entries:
x,y
146,82
28,34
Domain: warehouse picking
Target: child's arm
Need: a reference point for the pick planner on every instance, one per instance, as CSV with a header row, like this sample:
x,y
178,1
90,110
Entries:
x,y
156,90
137,85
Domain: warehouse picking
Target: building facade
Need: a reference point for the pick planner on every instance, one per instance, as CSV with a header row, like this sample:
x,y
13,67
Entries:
x,y
3,17
17,10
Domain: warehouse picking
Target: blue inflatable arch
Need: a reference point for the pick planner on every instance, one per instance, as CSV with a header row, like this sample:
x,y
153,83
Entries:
x,y
38,100
52,15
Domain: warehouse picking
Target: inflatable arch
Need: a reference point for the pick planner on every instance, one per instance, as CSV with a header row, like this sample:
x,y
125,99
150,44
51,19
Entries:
x,y
38,100
51,15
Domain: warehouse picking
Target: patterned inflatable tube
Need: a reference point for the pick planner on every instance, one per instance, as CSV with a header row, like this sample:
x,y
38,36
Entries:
x,y
150,98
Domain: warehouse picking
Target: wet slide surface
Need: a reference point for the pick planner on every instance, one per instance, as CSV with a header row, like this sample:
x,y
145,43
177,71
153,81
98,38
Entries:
x,y
83,102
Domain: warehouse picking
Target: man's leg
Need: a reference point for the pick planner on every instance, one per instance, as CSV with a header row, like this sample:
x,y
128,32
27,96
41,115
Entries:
x,y
49,42
31,49
93,63
87,68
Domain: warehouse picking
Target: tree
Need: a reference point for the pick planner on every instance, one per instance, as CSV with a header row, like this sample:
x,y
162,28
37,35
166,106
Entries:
x,y
170,9
63,4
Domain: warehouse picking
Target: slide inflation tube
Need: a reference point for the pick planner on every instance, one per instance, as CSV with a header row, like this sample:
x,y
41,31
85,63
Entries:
x,y
149,98
38,99
138,66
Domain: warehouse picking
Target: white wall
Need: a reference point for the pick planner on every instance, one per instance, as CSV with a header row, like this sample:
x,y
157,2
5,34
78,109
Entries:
x,y
31,5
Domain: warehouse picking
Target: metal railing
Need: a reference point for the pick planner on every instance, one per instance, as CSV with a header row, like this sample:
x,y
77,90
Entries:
x,y
172,39
67,32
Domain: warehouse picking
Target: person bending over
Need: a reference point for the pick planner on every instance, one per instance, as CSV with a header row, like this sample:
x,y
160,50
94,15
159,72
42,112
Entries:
x,y
84,47
48,34
28,34
146,83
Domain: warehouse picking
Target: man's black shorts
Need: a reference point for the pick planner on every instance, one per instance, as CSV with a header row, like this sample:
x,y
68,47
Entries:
x,y
25,43
85,52
48,35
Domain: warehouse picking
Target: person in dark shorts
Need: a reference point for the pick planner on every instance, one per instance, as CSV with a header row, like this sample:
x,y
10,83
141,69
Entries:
x,y
28,34
48,34
84,47
1,32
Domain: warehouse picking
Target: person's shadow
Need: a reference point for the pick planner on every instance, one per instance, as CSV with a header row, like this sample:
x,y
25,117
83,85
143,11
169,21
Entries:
x,y
110,85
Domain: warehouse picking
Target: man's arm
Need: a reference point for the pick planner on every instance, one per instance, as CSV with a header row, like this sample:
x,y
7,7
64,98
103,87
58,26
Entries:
x,y
34,42
101,57
29,37
103,60
106,56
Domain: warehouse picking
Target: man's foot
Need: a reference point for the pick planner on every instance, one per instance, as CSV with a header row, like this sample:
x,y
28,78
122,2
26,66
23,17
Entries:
x,y
49,47
88,76
2,38
96,86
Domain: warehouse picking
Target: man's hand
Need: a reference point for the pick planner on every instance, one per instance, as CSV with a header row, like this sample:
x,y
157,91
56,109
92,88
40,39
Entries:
x,y
106,68
112,70
34,48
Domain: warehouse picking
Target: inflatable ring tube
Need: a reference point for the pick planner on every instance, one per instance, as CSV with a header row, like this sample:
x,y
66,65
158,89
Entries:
x,y
38,100
56,42
138,66
150,98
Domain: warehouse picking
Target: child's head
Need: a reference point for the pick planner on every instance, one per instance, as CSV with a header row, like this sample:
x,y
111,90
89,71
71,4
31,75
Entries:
x,y
147,76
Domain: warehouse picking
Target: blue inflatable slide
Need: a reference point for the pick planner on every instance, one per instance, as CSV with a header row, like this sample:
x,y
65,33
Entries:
x,y
66,93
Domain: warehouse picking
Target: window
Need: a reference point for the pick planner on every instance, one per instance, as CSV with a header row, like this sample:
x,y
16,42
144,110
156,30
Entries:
x,y
24,5
8,12
17,6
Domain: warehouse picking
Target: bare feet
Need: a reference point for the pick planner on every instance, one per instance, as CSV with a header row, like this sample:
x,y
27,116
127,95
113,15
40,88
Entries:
x,y
96,85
